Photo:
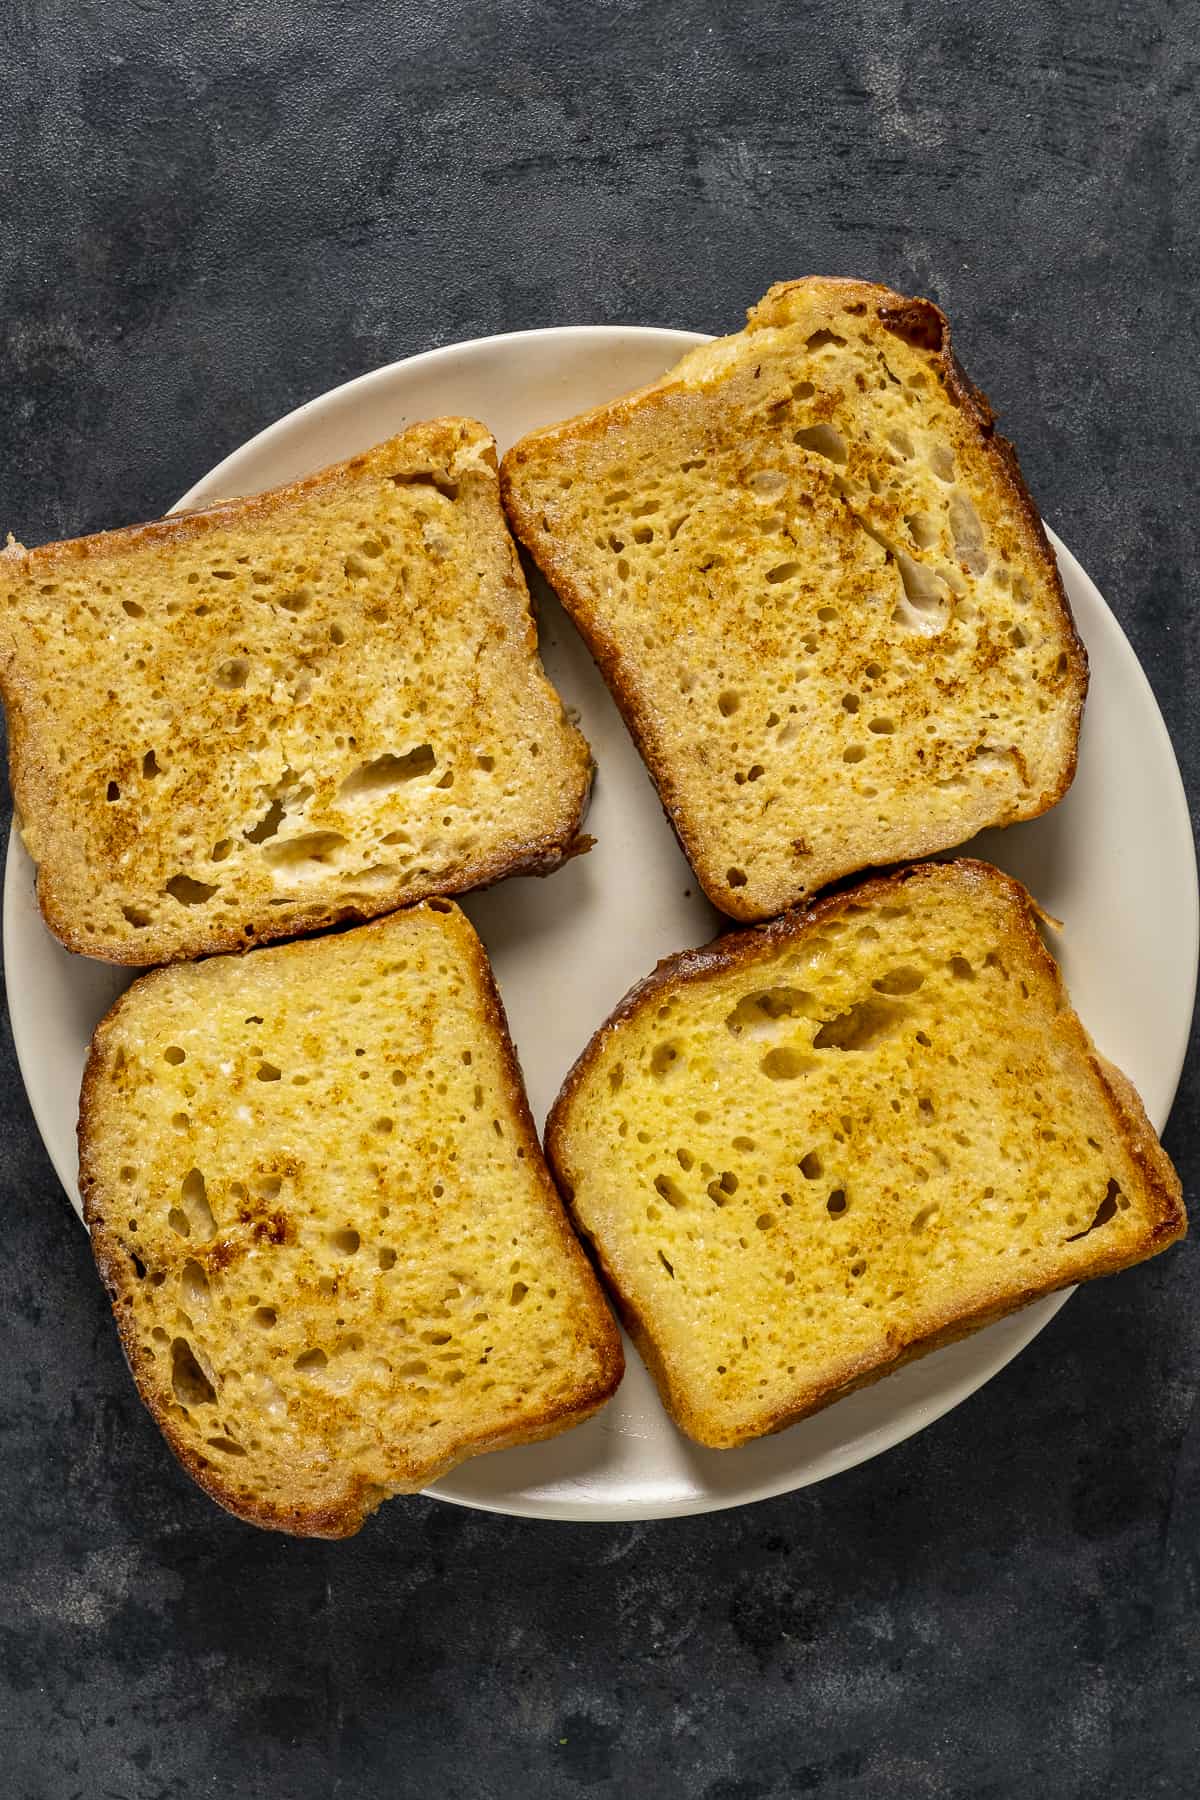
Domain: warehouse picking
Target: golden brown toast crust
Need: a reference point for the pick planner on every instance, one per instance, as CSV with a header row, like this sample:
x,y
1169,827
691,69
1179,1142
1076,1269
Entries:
x,y
597,1340
741,949
52,819
916,322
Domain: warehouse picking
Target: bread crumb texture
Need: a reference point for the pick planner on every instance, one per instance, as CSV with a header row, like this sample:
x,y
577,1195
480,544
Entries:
x,y
317,704
818,588
809,1153
337,1261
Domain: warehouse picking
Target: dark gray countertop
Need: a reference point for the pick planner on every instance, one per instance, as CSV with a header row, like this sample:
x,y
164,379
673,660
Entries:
x,y
215,211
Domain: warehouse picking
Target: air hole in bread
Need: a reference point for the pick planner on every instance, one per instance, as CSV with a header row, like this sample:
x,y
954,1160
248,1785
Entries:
x,y
853,753
193,1193
516,1293
851,702
297,602
268,825
670,1191
967,533
767,484
823,440
194,1288
811,1166
388,772
882,727
345,1241
266,1316
722,1187
268,1071
961,968
312,851
150,766
940,458
232,674
859,1027
663,1058
133,609
191,1385
310,1359
904,980
220,850
112,791
427,478
728,702
757,1015
785,1063
189,892
784,571
386,1257
225,1446
175,1054
821,339
667,1264
924,606
736,877
902,443
922,530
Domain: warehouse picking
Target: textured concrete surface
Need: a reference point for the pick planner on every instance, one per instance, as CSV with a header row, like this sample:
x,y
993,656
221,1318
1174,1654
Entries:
x,y
214,211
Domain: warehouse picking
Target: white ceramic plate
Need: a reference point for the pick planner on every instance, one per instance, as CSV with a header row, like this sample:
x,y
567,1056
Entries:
x,y
1114,861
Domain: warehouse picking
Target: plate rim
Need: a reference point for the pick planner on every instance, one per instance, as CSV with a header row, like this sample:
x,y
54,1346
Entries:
x,y
1034,1319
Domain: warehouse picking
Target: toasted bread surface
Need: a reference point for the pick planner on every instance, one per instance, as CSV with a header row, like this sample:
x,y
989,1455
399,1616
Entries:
x,y
810,1152
317,704
815,582
336,1259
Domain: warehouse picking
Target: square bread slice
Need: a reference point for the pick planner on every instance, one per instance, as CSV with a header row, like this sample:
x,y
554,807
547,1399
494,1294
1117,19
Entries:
x,y
809,1153
317,704
336,1258
813,578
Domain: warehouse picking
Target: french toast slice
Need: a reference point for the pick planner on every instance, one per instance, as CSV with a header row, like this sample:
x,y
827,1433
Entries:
x,y
337,1261
815,582
274,714
810,1152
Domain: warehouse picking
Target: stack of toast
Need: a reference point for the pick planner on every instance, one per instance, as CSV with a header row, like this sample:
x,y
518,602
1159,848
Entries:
x,y
339,1261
